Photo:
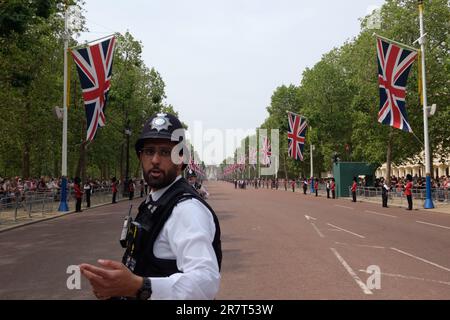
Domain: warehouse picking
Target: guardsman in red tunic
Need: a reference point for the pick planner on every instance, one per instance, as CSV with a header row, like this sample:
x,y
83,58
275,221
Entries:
x,y
316,186
114,189
333,189
78,194
354,186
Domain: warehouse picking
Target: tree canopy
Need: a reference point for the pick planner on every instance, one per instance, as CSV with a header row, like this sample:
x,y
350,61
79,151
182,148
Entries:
x,y
31,86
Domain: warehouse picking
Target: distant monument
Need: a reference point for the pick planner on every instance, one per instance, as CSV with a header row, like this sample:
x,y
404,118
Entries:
x,y
212,172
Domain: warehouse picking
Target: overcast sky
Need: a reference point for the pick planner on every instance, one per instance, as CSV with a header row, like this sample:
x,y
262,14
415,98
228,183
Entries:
x,y
221,60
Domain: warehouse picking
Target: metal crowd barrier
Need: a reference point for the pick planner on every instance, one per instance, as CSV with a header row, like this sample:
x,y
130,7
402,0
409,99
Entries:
x,y
39,202
439,195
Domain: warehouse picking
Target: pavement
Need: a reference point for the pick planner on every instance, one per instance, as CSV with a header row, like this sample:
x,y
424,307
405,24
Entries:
x,y
276,245
417,204
9,220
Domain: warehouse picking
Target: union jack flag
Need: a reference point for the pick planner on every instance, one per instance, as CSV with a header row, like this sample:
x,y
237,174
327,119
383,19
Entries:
x,y
394,64
252,156
296,136
195,167
266,151
241,162
94,65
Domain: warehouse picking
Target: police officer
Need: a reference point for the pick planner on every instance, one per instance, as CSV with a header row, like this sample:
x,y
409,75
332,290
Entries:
x,y
88,190
305,185
192,180
328,186
173,246
384,192
408,191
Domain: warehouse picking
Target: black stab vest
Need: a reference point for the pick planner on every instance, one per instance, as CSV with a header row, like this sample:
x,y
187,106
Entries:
x,y
153,216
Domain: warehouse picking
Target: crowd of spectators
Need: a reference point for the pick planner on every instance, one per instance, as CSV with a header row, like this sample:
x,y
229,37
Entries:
x,y
17,188
398,183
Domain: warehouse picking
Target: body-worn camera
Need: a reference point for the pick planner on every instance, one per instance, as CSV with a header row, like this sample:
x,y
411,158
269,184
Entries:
x,y
126,228
132,238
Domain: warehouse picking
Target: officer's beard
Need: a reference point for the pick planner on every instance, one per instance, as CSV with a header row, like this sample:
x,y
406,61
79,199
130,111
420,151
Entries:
x,y
163,180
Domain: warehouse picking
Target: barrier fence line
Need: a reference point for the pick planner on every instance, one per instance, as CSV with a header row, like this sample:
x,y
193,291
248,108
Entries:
x,y
439,195
24,204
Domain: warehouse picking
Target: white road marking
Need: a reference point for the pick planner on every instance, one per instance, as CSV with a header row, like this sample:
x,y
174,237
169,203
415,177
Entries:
x,y
409,277
381,214
421,259
359,245
309,217
336,205
355,234
318,231
432,224
355,277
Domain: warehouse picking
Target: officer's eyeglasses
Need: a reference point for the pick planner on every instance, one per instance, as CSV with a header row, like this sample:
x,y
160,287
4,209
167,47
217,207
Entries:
x,y
164,152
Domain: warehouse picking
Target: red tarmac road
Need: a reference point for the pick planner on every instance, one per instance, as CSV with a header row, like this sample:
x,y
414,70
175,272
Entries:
x,y
276,245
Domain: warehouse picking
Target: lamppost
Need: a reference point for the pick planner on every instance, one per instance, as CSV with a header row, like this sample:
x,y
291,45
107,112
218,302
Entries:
x,y
127,132
428,204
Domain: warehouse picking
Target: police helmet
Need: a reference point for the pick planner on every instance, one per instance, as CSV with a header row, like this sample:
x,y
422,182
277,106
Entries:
x,y
161,126
190,173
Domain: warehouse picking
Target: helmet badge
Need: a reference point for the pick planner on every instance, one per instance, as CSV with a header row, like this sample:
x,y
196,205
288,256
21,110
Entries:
x,y
161,122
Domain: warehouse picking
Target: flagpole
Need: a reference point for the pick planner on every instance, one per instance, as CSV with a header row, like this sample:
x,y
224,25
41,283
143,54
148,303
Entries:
x,y
258,154
259,169
428,200
397,43
312,163
92,41
63,207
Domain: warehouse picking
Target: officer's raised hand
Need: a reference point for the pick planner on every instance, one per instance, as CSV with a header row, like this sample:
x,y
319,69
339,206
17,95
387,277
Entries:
x,y
113,279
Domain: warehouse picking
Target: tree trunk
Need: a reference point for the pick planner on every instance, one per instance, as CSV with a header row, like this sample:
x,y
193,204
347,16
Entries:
x,y
389,156
136,172
26,147
121,161
84,162
26,161
80,171
103,172
56,171
81,167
